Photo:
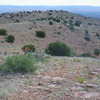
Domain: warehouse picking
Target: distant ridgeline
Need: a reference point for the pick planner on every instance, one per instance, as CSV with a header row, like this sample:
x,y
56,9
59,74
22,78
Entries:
x,y
82,10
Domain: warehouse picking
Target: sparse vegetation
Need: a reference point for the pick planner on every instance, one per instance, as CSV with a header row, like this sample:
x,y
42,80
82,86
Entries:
x,y
40,34
59,49
3,32
28,48
10,39
97,52
19,64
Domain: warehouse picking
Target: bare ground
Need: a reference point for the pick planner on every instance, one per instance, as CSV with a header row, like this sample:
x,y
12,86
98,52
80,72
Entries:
x,y
58,78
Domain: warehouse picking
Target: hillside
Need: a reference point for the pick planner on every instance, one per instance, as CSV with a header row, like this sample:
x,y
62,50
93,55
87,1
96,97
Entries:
x,y
81,33
46,77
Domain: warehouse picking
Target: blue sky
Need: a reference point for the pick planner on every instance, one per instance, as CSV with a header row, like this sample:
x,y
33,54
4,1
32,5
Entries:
x,y
50,2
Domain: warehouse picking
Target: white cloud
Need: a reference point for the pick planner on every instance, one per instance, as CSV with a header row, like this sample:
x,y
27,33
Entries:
x,y
50,2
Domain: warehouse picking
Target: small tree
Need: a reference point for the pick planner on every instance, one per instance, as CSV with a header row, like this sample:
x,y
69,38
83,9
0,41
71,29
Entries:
x,y
59,49
10,39
3,32
40,34
28,48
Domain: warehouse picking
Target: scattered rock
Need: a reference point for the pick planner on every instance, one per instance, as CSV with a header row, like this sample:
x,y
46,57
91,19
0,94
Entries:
x,y
92,86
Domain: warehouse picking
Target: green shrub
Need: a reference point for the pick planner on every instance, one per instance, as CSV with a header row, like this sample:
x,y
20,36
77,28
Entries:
x,y
97,52
86,55
81,79
3,32
71,25
87,36
28,48
50,23
59,49
10,39
40,34
19,64
78,23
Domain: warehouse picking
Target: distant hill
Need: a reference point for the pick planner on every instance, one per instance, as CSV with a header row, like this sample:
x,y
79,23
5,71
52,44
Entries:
x,y
89,11
81,33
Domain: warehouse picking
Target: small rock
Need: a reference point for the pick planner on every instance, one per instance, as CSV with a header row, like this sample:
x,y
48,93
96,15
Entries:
x,y
52,85
77,88
97,70
86,95
91,95
91,86
57,79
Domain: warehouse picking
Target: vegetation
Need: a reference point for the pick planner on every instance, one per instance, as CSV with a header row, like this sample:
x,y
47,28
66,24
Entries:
x,y
71,25
86,55
40,34
28,48
10,39
50,23
78,23
3,32
97,52
81,79
87,36
59,49
19,64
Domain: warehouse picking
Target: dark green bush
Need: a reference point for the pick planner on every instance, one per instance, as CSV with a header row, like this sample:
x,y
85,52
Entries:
x,y
78,23
56,20
50,23
19,64
40,34
86,55
3,32
28,48
10,39
59,49
71,25
97,52
87,36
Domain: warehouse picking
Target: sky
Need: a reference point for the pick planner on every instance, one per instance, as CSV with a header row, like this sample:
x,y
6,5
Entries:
x,y
50,2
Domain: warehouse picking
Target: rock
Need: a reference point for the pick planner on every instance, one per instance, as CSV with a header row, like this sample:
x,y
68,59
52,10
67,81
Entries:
x,y
97,70
79,85
87,95
52,85
77,88
47,77
92,86
94,73
58,79
91,95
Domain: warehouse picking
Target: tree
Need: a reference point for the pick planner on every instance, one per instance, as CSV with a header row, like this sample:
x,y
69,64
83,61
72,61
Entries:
x,y
40,34
10,39
3,32
59,49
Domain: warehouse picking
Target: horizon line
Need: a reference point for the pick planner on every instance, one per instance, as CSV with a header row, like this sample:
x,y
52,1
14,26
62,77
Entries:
x,y
52,5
